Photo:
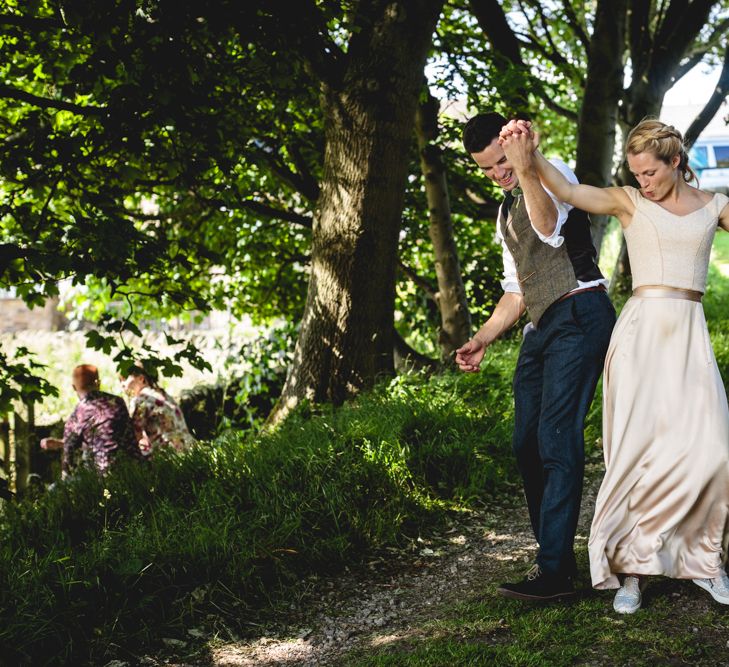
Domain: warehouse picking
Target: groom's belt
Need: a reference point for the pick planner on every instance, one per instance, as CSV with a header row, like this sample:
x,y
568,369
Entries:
x,y
596,288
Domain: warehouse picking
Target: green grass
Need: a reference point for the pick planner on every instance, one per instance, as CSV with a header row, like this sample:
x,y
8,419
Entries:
x,y
224,532
226,529
674,628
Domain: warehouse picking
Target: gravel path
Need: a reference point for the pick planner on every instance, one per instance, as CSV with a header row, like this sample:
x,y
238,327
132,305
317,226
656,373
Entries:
x,y
387,598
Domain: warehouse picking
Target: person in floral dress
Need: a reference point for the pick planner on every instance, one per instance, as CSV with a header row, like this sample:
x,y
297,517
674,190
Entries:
x,y
157,419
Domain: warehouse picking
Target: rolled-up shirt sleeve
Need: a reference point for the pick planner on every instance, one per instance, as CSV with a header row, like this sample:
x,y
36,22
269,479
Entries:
x,y
555,239
510,282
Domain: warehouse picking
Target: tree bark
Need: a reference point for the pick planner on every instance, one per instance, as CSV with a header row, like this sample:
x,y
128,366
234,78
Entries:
x,y
657,48
599,111
345,341
455,327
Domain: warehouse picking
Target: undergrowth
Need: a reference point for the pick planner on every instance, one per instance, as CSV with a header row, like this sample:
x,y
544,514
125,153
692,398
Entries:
x,y
93,564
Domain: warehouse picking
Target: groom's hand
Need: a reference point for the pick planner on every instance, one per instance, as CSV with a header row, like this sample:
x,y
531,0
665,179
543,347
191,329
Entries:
x,y
519,152
519,143
470,355
517,128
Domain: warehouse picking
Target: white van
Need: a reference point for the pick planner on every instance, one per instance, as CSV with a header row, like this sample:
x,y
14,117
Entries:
x,y
709,158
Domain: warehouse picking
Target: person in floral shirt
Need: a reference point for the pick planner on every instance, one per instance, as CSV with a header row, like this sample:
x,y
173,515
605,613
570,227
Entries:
x,y
158,420
99,428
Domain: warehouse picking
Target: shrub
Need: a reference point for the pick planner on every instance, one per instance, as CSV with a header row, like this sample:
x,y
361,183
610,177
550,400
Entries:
x,y
97,562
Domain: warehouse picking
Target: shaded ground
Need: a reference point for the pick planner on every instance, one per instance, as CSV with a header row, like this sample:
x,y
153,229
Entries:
x,y
389,602
434,604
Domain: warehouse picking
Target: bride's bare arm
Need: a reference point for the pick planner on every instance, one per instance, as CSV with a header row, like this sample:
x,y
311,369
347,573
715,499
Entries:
x,y
607,201
520,146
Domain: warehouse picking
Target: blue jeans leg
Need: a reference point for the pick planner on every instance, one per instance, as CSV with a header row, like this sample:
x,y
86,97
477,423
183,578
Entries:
x,y
570,342
528,381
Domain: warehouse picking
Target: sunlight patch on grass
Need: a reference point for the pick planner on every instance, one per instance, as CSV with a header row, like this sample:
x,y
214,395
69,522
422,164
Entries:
x,y
385,640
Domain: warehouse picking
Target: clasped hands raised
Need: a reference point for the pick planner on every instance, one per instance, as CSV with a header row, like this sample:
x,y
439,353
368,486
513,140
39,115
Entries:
x,y
519,142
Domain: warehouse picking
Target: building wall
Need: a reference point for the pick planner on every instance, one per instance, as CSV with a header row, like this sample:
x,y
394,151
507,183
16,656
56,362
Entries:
x,y
16,316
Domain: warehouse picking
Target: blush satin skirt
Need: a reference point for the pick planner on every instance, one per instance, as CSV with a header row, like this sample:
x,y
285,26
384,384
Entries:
x,y
663,506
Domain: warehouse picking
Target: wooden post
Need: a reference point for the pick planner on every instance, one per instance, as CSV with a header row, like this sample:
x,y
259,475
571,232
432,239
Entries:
x,y
24,442
5,439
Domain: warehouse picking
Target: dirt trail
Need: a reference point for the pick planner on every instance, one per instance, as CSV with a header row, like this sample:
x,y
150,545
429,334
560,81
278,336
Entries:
x,y
386,600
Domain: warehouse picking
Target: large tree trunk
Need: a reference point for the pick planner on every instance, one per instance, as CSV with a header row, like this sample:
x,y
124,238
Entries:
x,y
345,341
455,327
599,111
657,48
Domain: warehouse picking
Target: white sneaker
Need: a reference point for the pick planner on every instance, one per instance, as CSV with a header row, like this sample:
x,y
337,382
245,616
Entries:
x,y
627,599
718,587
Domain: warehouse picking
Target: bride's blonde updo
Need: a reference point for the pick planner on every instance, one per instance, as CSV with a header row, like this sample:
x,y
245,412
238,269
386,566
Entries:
x,y
662,141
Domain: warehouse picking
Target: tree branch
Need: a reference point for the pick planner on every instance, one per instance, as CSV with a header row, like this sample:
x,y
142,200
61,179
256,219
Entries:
x,y
639,35
309,35
44,211
577,27
679,30
310,184
302,259
693,60
258,207
554,57
421,282
408,358
30,22
488,208
699,51
308,187
12,93
570,115
712,105
547,34
9,252
492,20
276,214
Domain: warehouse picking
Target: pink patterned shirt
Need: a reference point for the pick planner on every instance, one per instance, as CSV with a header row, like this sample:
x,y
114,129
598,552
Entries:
x,y
100,428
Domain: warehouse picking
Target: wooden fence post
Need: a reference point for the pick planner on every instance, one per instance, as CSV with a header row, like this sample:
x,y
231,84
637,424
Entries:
x,y
5,439
24,442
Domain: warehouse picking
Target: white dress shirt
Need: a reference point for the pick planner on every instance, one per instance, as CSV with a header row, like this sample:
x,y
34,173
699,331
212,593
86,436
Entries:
x,y
510,283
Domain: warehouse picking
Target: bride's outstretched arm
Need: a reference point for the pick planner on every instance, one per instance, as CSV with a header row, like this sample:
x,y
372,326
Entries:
x,y
520,146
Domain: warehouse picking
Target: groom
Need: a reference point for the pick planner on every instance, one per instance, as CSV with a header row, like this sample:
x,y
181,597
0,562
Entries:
x,y
550,271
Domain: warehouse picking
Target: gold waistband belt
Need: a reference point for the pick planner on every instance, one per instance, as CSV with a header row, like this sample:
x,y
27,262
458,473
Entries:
x,y
667,293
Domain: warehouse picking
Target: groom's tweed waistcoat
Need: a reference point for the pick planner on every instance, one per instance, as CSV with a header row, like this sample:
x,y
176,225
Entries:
x,y
546,273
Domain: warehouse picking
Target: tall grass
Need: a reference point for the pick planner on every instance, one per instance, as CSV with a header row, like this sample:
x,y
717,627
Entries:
x,y
97,563
94,563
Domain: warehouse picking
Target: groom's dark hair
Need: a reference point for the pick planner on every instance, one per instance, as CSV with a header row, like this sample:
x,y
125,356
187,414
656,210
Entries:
x,y
483,128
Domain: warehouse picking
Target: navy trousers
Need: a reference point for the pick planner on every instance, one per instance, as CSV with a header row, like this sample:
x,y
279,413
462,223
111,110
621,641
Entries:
x,y
558,368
